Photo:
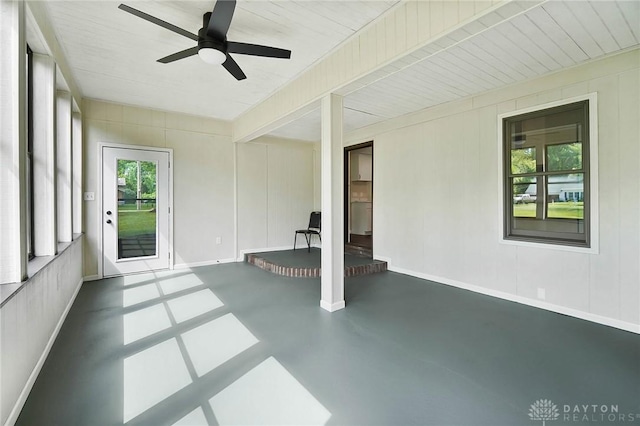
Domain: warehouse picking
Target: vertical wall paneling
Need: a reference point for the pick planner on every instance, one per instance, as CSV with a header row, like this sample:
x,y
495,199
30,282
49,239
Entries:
x,y
12,143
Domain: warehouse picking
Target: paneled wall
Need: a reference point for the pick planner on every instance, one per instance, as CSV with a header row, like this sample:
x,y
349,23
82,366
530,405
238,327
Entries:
x,y
203,173
30,321
436,203
275,191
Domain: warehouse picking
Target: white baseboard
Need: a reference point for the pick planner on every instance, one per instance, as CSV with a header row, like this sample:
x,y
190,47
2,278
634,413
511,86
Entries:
x,y
17,408
622,325
332,307
178,266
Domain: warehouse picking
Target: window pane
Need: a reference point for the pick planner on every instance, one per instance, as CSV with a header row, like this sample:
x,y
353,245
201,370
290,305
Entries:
x,y
523,160
566,156
524,196
137,216
565,196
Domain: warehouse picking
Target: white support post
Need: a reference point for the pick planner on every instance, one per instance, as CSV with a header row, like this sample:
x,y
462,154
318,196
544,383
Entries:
x,y
332,281
13,142
64,162
76,140
44,156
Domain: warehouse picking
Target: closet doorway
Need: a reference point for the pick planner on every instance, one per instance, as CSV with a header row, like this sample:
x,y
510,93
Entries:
x,y
358,205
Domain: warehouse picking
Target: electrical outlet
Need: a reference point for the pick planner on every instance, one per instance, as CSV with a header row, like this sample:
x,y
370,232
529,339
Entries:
x,y
89,196
541,293
218,240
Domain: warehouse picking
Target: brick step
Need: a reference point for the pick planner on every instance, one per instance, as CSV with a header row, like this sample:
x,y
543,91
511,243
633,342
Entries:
x,y
374,267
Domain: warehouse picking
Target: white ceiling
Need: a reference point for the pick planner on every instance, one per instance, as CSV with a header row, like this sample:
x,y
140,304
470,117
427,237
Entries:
x,y
112,54
483,56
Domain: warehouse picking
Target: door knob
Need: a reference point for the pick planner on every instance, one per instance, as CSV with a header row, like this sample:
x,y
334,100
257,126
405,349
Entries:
x,y
109,212
108,220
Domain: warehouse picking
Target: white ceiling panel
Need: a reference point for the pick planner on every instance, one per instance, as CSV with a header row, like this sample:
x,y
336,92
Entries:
x,y
112,54
490,53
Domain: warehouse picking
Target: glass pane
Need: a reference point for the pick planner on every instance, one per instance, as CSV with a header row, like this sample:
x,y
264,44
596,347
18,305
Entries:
x,y
137,216
565,196
566,156
524,197
523,160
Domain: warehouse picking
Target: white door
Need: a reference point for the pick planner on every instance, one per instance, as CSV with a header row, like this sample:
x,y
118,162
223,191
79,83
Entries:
x,y
135,210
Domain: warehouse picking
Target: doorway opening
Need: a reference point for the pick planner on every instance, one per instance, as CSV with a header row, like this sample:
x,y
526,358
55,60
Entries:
x,y
358,205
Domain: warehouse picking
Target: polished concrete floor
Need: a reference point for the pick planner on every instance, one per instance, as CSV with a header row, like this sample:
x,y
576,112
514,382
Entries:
x,y
233,344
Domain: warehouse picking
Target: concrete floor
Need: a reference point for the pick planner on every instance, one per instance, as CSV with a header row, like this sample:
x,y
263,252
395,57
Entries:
x,y
235,344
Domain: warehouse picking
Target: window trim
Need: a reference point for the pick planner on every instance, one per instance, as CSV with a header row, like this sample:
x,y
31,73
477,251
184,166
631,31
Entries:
x,y
593,177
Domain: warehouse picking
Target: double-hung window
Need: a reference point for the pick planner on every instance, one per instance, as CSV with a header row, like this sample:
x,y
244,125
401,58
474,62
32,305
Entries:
x,y
546,175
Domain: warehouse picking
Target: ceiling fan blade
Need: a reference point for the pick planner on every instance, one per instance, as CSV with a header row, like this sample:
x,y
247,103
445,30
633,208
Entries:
x,y
179,55
257,50
233,67
157,21
221,19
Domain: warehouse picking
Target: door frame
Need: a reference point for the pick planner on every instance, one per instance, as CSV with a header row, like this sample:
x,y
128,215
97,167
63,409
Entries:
x,y
99,214
347,179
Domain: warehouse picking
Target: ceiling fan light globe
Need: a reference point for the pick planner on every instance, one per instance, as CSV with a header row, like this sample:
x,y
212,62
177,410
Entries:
x,y
212,56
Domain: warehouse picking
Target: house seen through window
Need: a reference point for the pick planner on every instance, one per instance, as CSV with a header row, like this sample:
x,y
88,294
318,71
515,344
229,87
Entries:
x,y
546,155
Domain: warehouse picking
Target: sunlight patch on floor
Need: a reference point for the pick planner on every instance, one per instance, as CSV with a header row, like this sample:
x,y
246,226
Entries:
x,y
268,395
130,280
194,418
180,283
145,322
216,342
151,376
133,296
191,305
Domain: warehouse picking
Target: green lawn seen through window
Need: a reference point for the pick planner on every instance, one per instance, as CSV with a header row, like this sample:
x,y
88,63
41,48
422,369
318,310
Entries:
x,y
557,210
136,222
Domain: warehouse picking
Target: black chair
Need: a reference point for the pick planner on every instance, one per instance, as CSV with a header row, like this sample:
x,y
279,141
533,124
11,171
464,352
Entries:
x,y
312,229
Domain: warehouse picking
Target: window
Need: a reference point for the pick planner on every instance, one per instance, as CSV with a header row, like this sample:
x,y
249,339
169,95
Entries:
x,y
29,157
546,175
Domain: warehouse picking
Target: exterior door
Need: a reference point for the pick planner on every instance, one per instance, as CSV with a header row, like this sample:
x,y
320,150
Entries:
x,y
135,216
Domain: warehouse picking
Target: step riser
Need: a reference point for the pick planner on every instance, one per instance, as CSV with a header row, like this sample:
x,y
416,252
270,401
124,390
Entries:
x,y
300,272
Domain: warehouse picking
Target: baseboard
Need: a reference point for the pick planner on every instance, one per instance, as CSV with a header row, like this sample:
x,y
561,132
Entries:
x,y
332,307
92,278
189,265
17,408
622,325
261,250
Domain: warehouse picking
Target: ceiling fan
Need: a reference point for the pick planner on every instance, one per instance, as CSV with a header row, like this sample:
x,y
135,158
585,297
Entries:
x,y
213,46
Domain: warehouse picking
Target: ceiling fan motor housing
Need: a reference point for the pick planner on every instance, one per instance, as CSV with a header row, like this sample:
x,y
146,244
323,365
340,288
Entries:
x,y
205,41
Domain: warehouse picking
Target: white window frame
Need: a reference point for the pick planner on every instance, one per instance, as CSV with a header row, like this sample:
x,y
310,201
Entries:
x,y
593,177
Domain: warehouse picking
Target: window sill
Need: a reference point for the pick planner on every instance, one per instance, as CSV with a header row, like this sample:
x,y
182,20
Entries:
x,y
34,266
550,246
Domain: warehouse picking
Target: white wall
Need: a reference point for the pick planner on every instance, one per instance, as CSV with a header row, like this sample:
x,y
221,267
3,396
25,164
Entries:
x,y
275,191
30,321
436,199
203,172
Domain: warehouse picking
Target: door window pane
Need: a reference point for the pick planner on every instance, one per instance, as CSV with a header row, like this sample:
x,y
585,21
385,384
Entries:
x,y
137,215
